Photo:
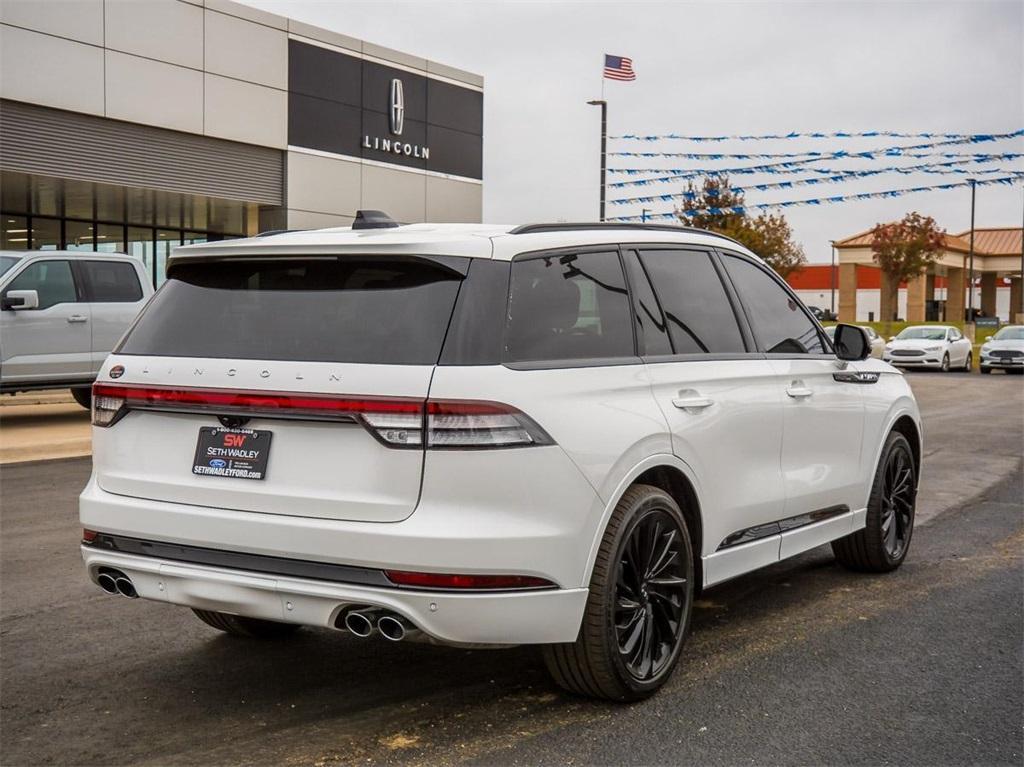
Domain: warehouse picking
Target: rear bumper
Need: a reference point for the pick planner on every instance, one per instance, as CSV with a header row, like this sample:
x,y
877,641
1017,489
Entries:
x,y
533,617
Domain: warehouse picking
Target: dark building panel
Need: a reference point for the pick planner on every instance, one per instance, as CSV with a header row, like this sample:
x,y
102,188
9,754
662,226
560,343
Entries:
x,y
453,107
315,71
455,152
324,125
342,104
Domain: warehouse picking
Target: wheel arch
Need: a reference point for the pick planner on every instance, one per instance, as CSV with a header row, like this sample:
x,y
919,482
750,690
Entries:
x,y
668,473
907,426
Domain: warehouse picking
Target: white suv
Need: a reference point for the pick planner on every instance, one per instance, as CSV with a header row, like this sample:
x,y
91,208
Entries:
x,y
548,434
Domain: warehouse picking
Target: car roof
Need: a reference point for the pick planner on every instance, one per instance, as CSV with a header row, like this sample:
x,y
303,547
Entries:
x,y
493,241
90,254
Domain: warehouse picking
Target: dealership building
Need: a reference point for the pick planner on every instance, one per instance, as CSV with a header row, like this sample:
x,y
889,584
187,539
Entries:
x,y
139,126
853,288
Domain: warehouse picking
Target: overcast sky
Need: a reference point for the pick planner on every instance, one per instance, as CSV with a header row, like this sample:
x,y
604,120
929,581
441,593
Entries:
x,y
711,69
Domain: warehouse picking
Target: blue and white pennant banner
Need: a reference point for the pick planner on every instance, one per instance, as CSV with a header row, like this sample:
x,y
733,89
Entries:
x,y
951,137
791,166
960,159
741,209
837,177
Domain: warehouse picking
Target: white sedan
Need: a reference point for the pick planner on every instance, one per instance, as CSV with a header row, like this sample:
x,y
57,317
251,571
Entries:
x,y
877,343
930,346
1004,351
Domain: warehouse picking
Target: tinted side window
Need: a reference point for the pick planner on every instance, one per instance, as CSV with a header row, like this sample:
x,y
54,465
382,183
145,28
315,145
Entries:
x,y
779,324
566,307
112,281
51,279
653,334
700,317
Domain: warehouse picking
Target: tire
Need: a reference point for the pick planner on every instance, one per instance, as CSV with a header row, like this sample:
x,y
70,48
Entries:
x,y
969,362
870,549
945,363
626,606
83,396
250,628
985,371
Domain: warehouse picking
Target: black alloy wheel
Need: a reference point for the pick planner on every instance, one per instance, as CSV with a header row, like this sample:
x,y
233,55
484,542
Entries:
x,y
650,595
897,502
882,544
639,604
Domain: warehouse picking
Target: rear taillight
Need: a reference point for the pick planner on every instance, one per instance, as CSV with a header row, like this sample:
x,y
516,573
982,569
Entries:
x,y
394,421
471,424
107,404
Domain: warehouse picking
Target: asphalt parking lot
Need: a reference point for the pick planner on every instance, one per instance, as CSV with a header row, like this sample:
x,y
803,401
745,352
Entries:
x,y
803,663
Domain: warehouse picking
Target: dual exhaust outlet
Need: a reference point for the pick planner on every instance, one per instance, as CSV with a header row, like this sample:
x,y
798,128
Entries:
x,y
116,582
363,622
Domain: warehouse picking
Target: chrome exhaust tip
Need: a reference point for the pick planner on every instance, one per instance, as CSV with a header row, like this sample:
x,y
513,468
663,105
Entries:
x,y
125,587
107,583
394,628
359,623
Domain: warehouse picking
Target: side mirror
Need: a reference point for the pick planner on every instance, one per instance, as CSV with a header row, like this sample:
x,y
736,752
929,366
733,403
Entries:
x,y
20,299
852,343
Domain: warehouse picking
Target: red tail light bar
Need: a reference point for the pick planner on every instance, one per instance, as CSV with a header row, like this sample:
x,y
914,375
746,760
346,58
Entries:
x,y
394,421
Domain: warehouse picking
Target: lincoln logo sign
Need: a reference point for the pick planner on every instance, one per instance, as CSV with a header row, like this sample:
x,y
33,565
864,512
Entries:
x,y
396,117
397,107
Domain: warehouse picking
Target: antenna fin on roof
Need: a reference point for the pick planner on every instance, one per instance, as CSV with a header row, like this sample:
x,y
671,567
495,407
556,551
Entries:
x,y
373,219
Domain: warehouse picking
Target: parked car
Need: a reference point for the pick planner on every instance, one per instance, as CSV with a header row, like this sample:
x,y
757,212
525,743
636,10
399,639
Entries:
x,y
930,346
1004,350
876,341
61,313
551,434
822,315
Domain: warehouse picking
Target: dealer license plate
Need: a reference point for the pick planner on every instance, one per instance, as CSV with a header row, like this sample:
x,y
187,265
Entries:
x,y
239,453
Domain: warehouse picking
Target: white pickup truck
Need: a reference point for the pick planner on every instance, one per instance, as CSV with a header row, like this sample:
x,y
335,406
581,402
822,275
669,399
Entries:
x,y
61,313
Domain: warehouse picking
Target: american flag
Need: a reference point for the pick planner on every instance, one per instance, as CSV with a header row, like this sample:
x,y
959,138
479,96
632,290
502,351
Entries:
x,y
618,68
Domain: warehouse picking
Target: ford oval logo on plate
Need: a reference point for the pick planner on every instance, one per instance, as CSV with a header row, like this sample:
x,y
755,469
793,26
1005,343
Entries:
x,y
217,463
117,371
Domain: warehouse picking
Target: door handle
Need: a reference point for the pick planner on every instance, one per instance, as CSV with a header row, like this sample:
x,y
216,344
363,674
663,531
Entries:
x,y
692,401
78,318
797,390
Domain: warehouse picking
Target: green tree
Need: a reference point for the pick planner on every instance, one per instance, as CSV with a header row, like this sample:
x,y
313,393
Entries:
x,y
903,250
769,236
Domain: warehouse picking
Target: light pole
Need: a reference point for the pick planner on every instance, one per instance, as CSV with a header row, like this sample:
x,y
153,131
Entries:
x,y
832,278
1021,291
970,269
643,214
604,143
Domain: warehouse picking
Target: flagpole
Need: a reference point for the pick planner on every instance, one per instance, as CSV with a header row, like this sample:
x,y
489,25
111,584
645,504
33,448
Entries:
x,y
604,146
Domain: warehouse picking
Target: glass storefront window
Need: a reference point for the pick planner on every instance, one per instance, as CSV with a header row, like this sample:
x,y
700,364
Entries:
x,y
14,233
110,238
45,233
78,235
166,241
140,245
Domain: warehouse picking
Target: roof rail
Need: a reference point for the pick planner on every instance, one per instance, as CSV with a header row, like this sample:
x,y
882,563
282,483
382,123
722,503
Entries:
x,y
272,232
579,226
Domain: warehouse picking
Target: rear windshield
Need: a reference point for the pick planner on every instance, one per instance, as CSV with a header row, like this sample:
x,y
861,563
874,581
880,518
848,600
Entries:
x,y
380,311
